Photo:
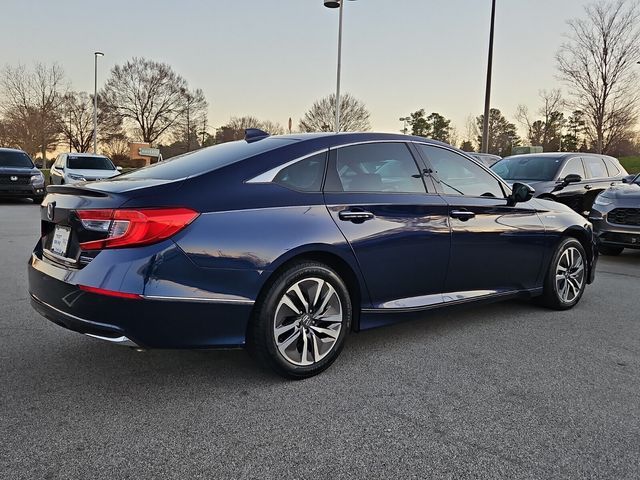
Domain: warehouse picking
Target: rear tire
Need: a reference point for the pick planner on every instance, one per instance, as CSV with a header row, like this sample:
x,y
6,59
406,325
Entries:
x,y
566,277
300,324
610,250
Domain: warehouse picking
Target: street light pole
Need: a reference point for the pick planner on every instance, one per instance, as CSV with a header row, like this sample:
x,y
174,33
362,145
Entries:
x,y
338,4
95,100
487,98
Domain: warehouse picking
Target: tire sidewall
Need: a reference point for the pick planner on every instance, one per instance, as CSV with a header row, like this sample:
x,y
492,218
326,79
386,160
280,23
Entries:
x,y
551,278
266,318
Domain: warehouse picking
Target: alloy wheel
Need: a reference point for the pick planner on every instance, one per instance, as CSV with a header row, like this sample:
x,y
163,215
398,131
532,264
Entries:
x,y
570,275
308,321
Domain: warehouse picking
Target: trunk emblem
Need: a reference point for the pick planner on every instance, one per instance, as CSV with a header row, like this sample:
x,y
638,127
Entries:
x,y
14,178
51,209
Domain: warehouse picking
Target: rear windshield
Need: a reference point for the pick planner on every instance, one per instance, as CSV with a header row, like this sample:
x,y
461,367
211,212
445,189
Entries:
x,y
528,168
206,159
15,160
89,163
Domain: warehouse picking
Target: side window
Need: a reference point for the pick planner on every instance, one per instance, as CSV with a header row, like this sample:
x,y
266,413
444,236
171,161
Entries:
x,y
595,167
573,166
460,176
305,175
612,168
375,167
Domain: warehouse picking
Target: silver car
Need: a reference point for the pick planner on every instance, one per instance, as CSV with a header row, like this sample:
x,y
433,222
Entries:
x,y
82,167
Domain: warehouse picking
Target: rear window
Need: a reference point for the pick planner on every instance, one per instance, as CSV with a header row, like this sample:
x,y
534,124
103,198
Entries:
x,y
207,159
15,160
89,163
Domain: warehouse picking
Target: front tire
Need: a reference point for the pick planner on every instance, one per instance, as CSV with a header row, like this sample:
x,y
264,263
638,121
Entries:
x,y
567,276
38,200
300,324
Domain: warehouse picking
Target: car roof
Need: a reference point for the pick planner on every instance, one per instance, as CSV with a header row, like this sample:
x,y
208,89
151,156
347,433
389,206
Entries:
x,y
76,154
557,155
357,136
6,149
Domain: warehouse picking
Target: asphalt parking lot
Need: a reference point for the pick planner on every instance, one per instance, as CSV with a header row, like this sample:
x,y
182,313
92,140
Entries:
x,y
498,391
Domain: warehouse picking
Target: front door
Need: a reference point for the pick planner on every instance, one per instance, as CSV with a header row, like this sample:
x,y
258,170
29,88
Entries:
x,y
494,247
400,235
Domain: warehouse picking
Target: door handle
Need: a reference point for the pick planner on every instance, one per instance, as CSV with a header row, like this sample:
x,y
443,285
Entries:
x,y
355,215
588,187
462,215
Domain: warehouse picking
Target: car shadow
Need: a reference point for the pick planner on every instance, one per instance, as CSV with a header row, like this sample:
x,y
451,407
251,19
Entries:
x,y
17,201
98,363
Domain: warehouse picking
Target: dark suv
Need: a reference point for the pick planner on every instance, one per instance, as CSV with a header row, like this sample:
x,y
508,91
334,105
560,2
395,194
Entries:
x,y
19,177
574,179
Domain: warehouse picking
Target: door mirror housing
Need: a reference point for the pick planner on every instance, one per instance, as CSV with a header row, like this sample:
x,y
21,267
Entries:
x,y
629,178
119,169
571,178
520,192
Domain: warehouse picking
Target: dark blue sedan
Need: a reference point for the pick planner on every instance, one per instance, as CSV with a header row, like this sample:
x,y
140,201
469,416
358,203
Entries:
x,y
286,244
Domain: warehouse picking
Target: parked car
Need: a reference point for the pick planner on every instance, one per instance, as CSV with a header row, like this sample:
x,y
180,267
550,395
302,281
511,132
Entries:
x,y
486,158
286,244
70,168
19,177
574,179
616,217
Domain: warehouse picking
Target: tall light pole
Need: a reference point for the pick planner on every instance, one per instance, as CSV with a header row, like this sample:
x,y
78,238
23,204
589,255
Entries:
x,y
487,98
95,100
338,4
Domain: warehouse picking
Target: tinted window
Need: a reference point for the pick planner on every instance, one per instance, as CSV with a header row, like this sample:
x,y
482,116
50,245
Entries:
x,y
305,175
595,167
612,168
15,160
89,163
375,167
207,159
459,175
573,167
528,168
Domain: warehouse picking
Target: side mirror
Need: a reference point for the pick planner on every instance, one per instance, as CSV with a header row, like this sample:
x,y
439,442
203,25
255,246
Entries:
x,y
571,178
628,179
520,192
119,169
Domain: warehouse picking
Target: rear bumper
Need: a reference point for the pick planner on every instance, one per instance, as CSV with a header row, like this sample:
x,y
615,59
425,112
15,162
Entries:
x,y
147,322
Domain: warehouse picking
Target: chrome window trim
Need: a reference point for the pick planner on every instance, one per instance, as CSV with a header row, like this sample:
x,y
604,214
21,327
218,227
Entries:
x,y
270,175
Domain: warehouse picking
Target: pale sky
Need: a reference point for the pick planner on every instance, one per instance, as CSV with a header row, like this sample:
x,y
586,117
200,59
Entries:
x,y
272,59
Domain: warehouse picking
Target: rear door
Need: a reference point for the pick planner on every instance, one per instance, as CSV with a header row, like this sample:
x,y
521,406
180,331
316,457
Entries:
x,y
398,230
495,247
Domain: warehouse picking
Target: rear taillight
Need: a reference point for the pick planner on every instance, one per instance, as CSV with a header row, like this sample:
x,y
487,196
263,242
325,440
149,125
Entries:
x,y
132,228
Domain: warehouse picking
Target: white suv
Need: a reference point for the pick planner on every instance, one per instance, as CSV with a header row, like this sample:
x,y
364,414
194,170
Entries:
x,y
82,167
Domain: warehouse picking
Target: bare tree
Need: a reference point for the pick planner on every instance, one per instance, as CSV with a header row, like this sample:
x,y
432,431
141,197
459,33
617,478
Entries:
x,y
148,95
77,121
354,115
274,128
193,117
31,104
597,64
547,130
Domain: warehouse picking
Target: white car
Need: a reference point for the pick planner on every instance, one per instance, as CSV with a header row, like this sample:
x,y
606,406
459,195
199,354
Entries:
x,y
82,167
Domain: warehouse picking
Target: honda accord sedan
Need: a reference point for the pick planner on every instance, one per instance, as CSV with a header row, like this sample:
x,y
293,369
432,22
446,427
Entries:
x,y
287,244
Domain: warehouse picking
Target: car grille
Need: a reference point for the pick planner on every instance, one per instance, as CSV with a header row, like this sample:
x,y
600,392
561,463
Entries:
x,y
22,179
624,216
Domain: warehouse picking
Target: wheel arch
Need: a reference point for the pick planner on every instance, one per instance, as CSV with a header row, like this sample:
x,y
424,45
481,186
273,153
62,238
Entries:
x,y
586,240
348,272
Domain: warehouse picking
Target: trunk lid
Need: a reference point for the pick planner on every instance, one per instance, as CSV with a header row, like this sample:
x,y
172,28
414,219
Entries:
x,y
61,228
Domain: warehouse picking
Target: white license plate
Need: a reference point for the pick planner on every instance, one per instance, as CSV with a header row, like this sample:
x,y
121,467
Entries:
x,y
60,240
